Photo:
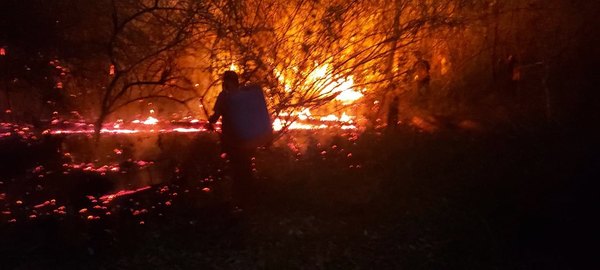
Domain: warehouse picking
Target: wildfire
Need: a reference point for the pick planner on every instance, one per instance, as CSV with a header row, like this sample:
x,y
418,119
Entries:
x,y
304,114
306,121
300,120
322,78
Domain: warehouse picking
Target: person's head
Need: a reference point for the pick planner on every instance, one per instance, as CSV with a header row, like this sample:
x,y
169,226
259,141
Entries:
x,y
230,81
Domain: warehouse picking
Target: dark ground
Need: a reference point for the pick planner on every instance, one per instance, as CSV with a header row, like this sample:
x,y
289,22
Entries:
x,y
416,201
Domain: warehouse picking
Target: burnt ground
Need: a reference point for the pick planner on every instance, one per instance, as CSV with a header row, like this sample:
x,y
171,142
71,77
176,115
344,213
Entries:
x,y
402,200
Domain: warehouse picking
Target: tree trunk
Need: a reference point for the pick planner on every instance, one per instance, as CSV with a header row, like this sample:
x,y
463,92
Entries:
x,y
389,71
98,126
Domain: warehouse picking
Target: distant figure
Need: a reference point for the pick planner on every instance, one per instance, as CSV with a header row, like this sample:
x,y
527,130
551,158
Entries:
x,y
245,126
514,68
392,117
422,78
512,76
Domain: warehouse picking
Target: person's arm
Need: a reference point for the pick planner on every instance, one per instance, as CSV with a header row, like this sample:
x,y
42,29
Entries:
x,y
217,110
214,117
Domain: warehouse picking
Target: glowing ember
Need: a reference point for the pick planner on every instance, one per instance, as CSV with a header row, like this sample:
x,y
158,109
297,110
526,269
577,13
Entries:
x,y
90,167
110,197
44,204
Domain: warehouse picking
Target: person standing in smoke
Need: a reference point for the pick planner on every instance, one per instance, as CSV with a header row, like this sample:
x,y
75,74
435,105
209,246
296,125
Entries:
x,y
392,117
245,125
422,78
230,84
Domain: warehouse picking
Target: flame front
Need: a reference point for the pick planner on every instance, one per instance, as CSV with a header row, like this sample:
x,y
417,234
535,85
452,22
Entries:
x,y
322,78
